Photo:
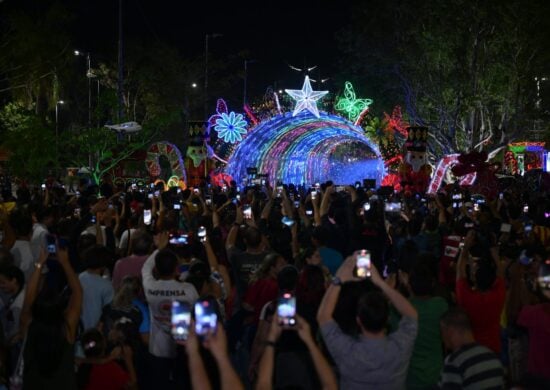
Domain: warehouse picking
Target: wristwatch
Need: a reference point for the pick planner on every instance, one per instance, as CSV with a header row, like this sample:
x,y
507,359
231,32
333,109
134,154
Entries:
x,y
336,281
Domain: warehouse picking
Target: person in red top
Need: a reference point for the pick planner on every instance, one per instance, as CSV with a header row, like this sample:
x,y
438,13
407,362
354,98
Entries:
x,y
101,372
484,300
536,318
264,286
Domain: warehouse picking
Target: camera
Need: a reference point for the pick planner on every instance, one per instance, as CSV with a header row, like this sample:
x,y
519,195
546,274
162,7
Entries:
x,y
286,309
363,264
206,319
181,320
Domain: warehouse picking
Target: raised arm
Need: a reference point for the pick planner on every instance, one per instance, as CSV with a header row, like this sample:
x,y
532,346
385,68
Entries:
x,y
72,313
233,232
464,255
401,304
267,362
216,266
31,291
217,344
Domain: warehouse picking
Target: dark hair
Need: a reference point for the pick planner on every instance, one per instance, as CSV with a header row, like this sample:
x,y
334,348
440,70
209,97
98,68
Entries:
x,y
421,279
48,331
6,258
142,243
97,256
44,212
21,222
456,318
12,272
287,278
93,343
485,275
373,311
252,237
321,234
85,242
166,262
311,285
431,222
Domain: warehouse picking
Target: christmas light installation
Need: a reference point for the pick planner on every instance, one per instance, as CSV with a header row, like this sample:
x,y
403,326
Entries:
x,y
230,127
350,105
444,164
306,98
305,149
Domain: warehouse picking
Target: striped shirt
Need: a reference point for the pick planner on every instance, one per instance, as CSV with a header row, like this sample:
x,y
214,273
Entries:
x,y
472,367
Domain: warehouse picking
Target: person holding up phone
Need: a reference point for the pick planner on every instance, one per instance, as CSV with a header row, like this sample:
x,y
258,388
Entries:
x,y
384,358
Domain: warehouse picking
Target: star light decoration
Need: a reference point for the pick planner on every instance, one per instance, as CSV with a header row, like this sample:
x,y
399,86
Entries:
x,y
306,98
350,105
230,127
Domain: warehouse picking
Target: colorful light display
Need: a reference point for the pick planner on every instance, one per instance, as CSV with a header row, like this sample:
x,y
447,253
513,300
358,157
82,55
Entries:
x,y
304,149
230,127
350,105
444,164
306,98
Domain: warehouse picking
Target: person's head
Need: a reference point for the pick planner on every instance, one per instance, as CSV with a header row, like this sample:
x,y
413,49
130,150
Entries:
x,y
21,223
430,223
421,280
12,279
456,329
45,215
97,257
485,274
252,238
166,264
129,289
85,242
312,256
133,221
199,276
287,278
270,266
93,343
142,242
320,236
123,332
372,312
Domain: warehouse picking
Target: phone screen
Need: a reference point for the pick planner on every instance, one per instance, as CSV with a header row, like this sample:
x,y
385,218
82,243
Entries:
x,y
505,228
286,310
147,217
309,212
51,246
181,320
287,221
363,264
178,239
247,212
177,206
392,207
202,234
366,206
206,318
93,219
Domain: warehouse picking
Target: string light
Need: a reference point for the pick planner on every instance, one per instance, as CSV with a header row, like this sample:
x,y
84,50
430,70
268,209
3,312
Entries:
x,y
350,104
306,98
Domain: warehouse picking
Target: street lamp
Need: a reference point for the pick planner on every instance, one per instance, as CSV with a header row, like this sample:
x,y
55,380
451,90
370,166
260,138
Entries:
x,y
57,104
194,85
89,75
206,72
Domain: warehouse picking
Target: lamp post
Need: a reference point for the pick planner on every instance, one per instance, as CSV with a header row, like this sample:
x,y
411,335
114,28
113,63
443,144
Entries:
x,y
89,75
206,38
59,102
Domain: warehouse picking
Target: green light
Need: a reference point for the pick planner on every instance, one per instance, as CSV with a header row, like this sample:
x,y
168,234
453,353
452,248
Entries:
x,y
349,104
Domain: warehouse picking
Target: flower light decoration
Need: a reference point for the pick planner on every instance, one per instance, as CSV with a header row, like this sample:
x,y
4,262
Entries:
x,y
350,105
230,127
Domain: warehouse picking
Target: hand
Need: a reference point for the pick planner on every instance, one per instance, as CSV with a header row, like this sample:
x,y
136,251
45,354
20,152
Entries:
x,y
470,239
345,272
127,353
239,215
192,343
217,342
62,255
161,240
275,329
375,275
304,330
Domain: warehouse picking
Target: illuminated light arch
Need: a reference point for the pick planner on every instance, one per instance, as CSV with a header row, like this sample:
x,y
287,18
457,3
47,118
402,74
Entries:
x,y
173,155
306,149
444,164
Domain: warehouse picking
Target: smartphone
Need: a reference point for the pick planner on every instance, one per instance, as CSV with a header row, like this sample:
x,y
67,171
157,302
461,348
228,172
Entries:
x,y
206,318
501,196
286,310
156,194
178,239
51,245
313,194
134,186
177,206
93,219
181,320
287,221
296,204
196,191
238,197
392,207
476,207
202,234
279,191
147,217
505,228
76,212
208,201
43,186
247,212
340,189
150,196
528,228
309,212
526,209
363,263
263,182
224,188
366,206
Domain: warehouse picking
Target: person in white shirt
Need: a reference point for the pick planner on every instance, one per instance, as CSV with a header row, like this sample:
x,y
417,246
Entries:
x,y
23,256
45,218
160,290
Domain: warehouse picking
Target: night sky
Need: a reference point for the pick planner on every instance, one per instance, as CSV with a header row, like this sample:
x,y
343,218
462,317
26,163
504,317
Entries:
x,y
275,33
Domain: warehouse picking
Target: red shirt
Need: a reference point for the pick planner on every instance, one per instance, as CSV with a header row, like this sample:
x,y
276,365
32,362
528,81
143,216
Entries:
x,y
484,309
536,318
108,376
259,293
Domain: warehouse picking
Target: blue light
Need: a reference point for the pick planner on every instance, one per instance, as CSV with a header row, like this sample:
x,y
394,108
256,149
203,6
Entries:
x,y
230,127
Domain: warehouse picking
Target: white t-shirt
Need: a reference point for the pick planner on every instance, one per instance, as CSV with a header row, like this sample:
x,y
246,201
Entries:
x,y
123,244
159,295
12,315
38,240
23,257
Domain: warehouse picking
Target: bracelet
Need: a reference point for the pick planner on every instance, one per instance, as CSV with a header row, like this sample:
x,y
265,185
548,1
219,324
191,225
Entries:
x,y
270,343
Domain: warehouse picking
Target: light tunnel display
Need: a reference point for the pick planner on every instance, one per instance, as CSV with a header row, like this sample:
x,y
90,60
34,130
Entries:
x,y
304,149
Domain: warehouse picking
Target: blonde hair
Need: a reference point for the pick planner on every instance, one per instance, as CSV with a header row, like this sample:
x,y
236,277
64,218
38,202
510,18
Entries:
x,y
128,291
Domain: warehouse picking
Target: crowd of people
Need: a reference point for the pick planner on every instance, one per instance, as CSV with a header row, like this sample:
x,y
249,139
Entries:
x,y
291,287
